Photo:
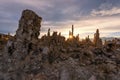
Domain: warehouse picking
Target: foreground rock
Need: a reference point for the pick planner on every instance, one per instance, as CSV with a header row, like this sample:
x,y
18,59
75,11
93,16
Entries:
x,y
20,49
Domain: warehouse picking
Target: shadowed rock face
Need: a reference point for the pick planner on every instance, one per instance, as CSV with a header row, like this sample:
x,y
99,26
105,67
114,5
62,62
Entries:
x,y
29,26
26,37
22,47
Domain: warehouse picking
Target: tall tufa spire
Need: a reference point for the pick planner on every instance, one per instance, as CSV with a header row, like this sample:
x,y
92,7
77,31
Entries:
x,y
72,30
48,32
97,40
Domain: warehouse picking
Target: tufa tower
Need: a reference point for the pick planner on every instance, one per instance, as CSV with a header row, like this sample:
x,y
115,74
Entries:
x,y
97,41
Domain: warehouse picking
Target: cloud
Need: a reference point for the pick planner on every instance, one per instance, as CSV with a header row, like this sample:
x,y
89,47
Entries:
x,y
59,15
10,12
108,8
86,26
110,12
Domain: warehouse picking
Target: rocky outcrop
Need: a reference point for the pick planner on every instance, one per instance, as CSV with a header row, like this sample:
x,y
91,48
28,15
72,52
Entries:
x,y
29,26
22,48
26,58
27,33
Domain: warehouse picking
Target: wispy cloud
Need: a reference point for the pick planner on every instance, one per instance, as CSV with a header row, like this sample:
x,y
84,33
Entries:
x,y
108,8
110,12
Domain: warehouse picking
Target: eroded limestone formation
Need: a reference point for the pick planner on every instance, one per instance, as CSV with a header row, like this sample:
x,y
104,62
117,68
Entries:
x,y
26,39
48,34
71,33
22,48
29,26
97,41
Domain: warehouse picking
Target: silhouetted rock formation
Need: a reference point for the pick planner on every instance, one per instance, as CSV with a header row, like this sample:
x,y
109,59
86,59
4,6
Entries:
x,y
3,40
54,40
71,34
48,34
5,36
97,40
87,42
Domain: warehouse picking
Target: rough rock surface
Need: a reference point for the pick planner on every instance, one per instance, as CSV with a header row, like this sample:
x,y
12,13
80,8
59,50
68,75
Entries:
x,y
29,26
25,58
23,46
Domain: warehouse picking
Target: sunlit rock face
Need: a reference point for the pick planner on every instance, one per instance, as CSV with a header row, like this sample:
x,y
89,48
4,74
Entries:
x,y
29,26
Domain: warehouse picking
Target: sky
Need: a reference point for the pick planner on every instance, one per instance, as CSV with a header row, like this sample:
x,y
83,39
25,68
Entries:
x,y
59,15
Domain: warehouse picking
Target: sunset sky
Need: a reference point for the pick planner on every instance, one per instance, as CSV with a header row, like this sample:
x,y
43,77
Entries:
x,y
59,15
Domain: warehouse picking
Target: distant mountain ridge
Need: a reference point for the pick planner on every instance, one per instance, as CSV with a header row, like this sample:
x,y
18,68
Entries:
x,y
114,34
108,38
